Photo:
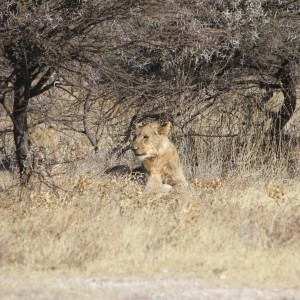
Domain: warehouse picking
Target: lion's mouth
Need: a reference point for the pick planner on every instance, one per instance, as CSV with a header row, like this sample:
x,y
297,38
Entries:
x,y
138,154
141,156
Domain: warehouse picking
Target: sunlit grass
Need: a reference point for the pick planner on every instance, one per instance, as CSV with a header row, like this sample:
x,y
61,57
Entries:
x,y
243,231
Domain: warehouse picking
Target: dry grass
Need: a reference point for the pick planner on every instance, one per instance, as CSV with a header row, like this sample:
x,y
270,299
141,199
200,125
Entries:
x,y
242,231
235,229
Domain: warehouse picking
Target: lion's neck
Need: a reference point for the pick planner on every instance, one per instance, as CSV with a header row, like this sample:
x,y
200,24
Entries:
x,y
150,162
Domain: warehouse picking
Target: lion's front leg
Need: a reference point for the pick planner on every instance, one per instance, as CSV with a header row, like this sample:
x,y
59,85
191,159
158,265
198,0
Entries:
x,y
154,179
155,182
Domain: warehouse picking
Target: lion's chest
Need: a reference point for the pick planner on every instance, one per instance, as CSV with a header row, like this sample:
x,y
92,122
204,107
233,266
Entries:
x,y
162,165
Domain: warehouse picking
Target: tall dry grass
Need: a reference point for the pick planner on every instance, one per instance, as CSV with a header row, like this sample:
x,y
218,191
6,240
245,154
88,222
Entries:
x,y
240,231
238,223
233,137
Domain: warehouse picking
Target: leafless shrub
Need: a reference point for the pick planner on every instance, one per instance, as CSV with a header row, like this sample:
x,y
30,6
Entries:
x,y
214,68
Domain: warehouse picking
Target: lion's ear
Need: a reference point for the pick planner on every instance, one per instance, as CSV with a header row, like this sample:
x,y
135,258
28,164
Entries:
x,y
164,129
138,127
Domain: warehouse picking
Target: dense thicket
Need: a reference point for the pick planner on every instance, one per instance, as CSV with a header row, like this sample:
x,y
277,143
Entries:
x,y
177,57
41,41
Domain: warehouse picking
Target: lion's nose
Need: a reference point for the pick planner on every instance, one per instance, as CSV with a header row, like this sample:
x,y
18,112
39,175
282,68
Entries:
x,y
134,148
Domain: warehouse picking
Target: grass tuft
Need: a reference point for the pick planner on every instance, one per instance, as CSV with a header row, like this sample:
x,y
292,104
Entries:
x,y
242,231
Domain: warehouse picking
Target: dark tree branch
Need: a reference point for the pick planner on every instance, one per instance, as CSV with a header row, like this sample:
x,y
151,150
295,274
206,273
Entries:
x,y
40,86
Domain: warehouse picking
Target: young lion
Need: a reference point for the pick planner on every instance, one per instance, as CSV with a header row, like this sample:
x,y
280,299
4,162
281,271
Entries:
x,y
159,156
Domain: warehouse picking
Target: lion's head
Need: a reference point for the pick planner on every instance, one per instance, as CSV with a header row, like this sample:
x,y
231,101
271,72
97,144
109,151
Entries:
x,y
150,140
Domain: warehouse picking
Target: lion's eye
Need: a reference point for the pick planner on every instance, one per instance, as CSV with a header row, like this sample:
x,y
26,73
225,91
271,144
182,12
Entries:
x,y
146,137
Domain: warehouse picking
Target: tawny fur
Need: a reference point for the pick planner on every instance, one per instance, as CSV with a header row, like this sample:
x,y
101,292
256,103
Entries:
x,y
45,140
159,156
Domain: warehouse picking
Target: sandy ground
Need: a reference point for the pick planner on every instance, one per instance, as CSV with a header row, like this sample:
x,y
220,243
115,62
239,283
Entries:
x,y
52,288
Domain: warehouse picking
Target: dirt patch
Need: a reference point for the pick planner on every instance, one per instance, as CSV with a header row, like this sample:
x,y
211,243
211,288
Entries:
x,y
96,288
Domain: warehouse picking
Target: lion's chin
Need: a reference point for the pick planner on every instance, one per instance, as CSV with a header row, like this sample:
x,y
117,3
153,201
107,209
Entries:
x,y
141,157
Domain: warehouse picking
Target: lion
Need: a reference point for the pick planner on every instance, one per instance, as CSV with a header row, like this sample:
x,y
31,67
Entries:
x,y
44,142
158,154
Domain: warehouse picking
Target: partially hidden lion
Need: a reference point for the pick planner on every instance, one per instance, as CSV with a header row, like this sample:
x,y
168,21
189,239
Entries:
x,y
158,154
45,142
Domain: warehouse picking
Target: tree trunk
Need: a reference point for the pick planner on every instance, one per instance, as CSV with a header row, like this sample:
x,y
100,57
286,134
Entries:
x,y
19,115
287,80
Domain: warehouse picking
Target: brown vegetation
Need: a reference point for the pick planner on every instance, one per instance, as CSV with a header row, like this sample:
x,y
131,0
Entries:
x,y
77,77
236,231
120,61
